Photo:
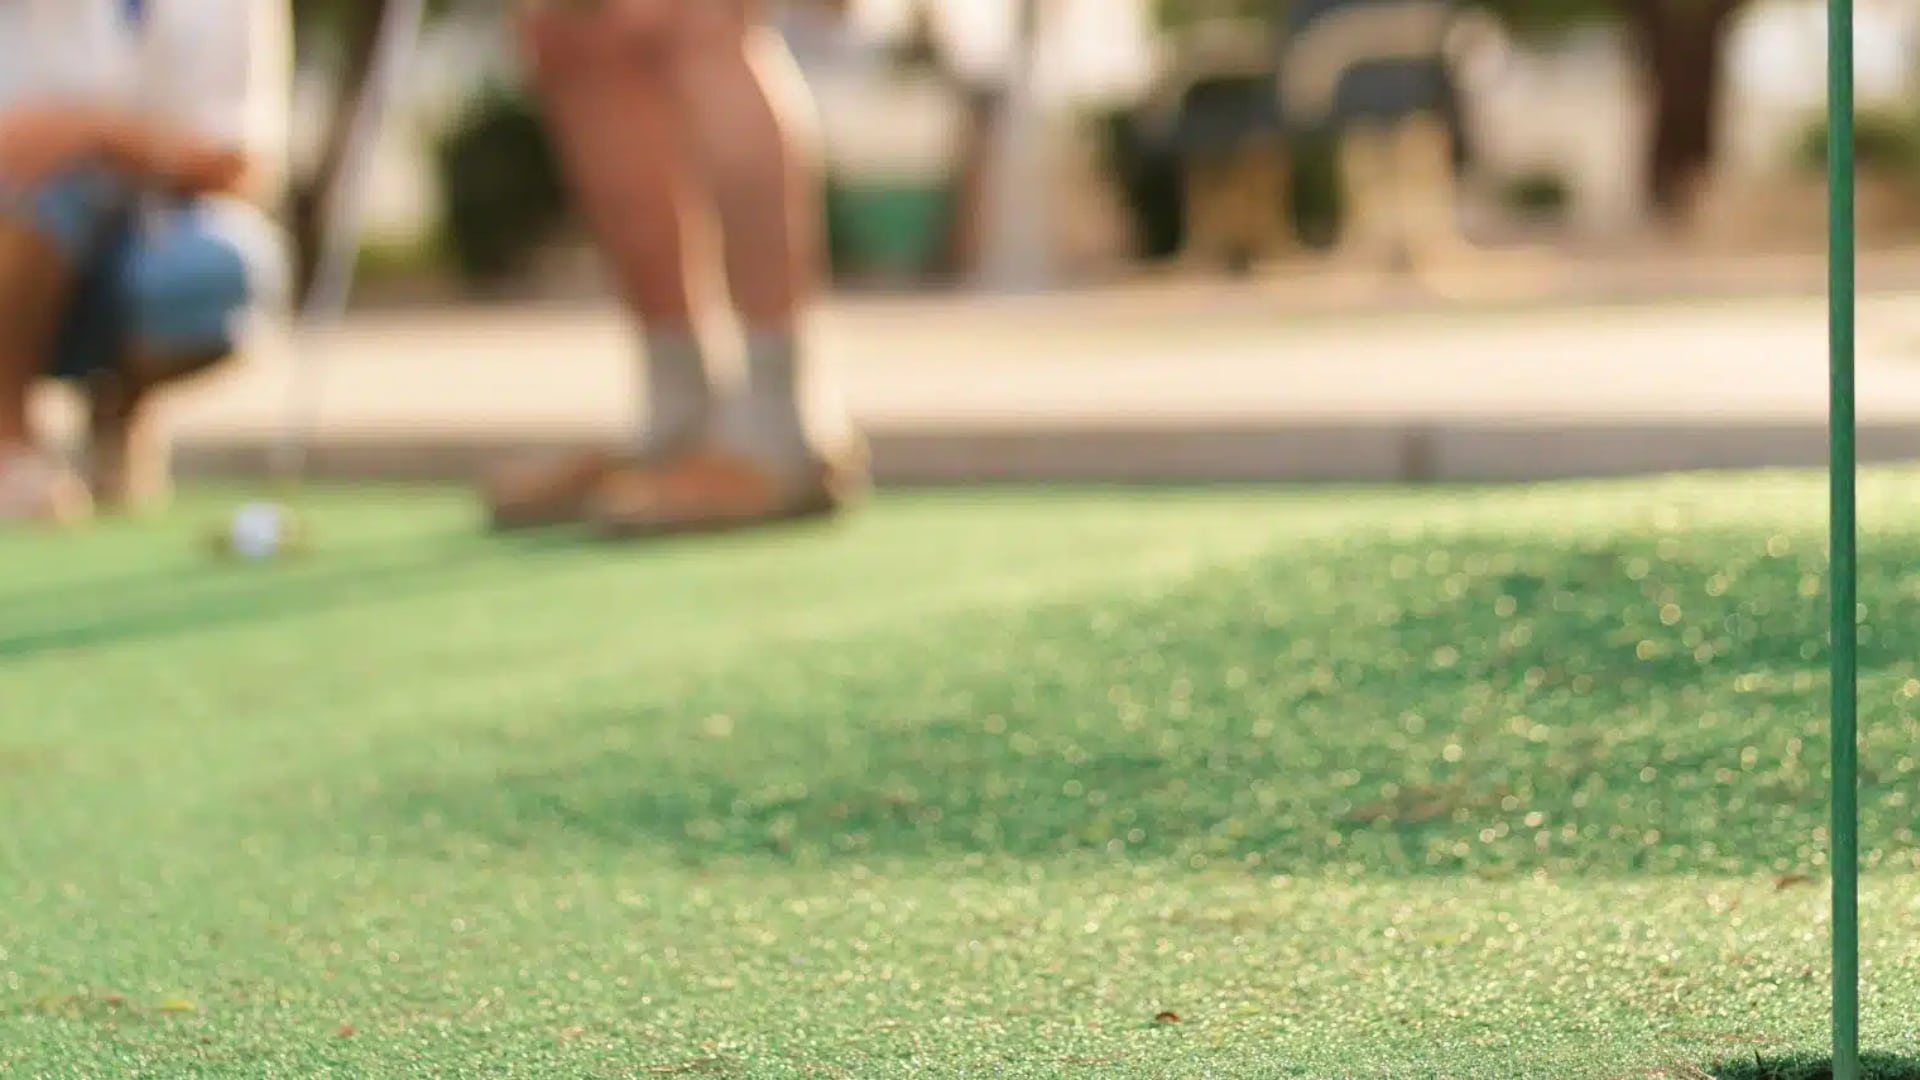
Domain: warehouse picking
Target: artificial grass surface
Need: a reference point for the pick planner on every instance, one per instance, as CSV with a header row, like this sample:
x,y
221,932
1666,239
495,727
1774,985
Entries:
x,y
1361,784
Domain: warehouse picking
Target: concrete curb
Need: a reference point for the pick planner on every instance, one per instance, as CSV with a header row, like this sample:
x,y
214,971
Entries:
x,y
1451,451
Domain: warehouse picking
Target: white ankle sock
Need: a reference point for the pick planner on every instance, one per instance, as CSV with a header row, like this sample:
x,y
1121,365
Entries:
x,y
766,420
679,392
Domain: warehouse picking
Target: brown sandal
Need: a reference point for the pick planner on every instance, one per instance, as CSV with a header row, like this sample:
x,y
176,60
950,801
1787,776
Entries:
x,y
715,491
543,494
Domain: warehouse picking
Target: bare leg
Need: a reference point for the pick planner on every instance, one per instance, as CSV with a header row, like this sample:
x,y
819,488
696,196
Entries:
x,y
1234,207
605,86
746,116
604,83
1373,239
32,284
128,466
1208,236
612,122
1429,205
746,119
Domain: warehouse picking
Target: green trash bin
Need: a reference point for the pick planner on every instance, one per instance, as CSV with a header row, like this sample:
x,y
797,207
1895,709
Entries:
x,y
888,231
892,142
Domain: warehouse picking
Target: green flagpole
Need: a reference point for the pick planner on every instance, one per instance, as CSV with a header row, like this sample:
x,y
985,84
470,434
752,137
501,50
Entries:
x,y
1844,587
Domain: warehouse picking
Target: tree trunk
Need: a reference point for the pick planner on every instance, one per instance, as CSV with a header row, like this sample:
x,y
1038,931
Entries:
x,y
1684,43
309,195
962,250
986,105
1014,248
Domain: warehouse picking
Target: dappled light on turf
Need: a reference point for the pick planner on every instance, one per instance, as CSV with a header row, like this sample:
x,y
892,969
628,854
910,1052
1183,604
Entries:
x,y
1627,702
1364,784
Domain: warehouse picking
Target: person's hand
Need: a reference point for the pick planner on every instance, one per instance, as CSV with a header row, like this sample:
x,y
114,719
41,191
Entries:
x,y
204,170
38,144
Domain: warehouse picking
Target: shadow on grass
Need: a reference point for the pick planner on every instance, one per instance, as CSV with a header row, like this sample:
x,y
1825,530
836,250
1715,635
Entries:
x,y
1872,1067
1623,706
146,607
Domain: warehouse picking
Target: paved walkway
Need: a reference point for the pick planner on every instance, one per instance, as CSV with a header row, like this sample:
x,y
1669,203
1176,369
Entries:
x,y
1143,384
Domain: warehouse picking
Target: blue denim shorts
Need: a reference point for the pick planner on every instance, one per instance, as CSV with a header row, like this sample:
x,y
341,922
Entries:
x,y
177,281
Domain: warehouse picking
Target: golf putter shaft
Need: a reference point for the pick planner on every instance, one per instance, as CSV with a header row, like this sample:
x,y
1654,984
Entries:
x,y
342,211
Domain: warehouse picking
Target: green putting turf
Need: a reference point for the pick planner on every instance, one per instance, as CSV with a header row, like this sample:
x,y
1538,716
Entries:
x,y
1371,784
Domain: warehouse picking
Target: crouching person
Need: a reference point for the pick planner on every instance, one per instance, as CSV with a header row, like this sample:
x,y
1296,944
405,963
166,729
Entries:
x,y
140,143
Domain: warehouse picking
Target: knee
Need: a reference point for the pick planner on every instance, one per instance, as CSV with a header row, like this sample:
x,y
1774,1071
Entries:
x,y
706,26
568,43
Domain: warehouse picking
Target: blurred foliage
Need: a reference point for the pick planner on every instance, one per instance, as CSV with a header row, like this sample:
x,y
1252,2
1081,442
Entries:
x,y
502,189
1535,18
348,33
1171,14
1885,140
1536,196
1149,182
334,16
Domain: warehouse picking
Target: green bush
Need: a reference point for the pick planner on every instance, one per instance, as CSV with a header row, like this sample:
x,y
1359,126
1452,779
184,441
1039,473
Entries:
x,y
1537,196
1883,139
502,190
1316,196
1149,182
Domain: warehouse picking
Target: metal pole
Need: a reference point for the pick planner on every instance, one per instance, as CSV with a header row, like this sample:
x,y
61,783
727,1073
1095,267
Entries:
x,y
1018,256
342,211
1844,831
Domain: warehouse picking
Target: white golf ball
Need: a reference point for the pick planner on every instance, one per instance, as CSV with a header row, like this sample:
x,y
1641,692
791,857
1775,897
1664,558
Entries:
x,y
258,531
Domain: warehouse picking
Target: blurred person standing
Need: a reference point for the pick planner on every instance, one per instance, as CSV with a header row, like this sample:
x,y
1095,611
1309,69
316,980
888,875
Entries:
x,y
140,141
1376,73
685,133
